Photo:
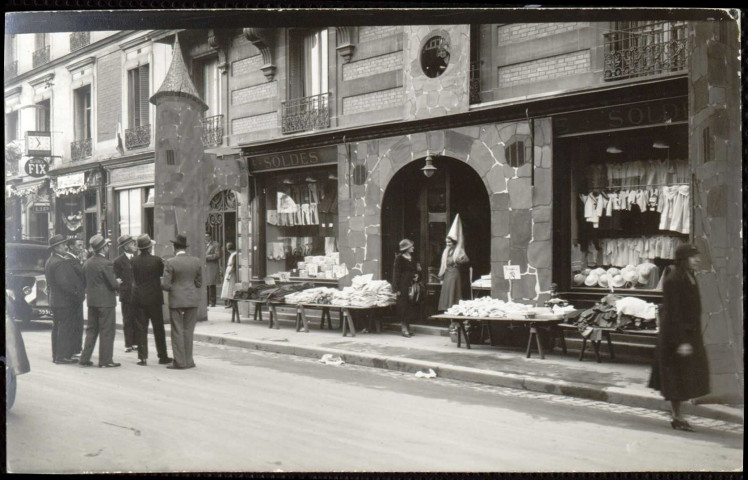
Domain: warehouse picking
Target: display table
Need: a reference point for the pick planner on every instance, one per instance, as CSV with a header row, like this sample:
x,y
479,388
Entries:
x,y
599,334
537,327
258,304
301,320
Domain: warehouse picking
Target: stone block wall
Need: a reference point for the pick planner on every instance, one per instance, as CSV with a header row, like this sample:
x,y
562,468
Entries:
x,y
545,69
520,212
254,123
371,66
373,101
716,158
519,32
366,34
446,94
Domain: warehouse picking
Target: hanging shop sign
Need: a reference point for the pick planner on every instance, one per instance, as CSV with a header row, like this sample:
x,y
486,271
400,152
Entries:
x,y
294,159
658,112
36,167
70,184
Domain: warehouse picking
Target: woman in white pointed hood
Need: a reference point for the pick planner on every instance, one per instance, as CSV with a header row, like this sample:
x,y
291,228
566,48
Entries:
x,y
453,258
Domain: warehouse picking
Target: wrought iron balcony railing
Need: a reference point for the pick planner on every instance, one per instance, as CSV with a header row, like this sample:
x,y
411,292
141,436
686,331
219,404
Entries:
x,y
80,149
138,137
79,40
40,57
474,82
213,131
655,48
11,69
307,113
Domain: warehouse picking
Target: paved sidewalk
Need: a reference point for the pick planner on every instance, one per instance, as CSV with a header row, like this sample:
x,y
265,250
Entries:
x,y
614,382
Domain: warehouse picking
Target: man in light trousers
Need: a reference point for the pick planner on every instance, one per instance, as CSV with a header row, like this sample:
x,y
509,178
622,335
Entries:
x,y
183,280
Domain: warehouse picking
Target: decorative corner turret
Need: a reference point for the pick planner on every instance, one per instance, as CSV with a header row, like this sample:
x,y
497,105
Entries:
x,y
178,82
262,39
346,42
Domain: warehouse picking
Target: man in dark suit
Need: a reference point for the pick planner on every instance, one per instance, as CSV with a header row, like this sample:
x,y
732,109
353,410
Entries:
x,y
66,293
212,256
101,288
182,279
75,248
148,299
123,273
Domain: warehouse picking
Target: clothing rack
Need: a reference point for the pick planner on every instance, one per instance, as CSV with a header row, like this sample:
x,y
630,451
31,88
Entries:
x,y
622,187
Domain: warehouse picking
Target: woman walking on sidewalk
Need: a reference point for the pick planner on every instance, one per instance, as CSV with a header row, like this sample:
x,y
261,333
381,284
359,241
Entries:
x,y
406,273
680,369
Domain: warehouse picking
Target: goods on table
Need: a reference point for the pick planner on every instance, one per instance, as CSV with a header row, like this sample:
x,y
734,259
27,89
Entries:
x,y
483,282
621,313
364,292
644,275
495,308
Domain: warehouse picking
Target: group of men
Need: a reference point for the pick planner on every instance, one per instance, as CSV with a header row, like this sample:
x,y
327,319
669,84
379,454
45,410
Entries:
x,y
139,277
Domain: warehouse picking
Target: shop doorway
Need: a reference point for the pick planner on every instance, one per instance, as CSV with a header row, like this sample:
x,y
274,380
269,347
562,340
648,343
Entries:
x,y
422,209
221,222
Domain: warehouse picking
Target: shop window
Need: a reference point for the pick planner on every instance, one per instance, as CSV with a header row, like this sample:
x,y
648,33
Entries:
x,y
130,204
82,112
517,151
150,196
301,221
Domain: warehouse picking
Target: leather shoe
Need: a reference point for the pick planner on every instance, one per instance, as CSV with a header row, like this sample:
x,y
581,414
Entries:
x,y
174,367
164,361
86,364
65,361
110,365
128,349
143,362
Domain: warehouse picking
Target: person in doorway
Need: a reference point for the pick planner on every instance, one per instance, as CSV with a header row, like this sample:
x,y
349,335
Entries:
x,y
183,280
77,256
229,278
453,258
212,255
148,299
406,272
101,287
681,371
66,293
123,273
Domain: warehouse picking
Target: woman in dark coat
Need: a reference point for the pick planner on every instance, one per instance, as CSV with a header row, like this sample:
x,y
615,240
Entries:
x,y
406,272
681,371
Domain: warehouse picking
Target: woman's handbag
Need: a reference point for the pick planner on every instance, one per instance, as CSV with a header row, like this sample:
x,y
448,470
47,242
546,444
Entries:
x,y
415,292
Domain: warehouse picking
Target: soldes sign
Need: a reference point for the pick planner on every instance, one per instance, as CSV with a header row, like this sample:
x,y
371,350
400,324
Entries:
x,y
36,167
295,159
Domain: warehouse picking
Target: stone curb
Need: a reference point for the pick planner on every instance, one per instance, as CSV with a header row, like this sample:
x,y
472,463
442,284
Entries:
x,y
614,395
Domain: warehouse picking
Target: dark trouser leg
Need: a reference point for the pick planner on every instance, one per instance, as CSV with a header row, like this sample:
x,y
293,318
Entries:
x,y
128,324
177,336
106,333
156,313
92,332
190,319
211,294
56,322
63,331
77,330
141,331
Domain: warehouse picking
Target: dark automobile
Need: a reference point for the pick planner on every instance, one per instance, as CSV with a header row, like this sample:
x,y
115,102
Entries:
x,y
25,283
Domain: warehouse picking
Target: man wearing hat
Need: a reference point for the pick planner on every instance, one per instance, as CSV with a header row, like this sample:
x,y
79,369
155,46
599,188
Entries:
x,y
123,272
149,300
66,292
212,255
183,280
101,288
76,256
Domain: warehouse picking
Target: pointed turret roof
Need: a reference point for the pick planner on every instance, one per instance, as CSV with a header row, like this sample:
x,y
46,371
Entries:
x,y
178,82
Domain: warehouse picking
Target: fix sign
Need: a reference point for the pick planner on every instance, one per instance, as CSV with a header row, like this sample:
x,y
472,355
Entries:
x,y
36,167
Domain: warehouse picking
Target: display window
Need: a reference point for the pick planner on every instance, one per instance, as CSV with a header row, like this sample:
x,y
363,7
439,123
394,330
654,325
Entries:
x,y
629,206
300,209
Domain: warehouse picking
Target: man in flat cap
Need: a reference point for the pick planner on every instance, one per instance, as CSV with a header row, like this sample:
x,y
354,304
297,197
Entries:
x,y
101,288
123,273
183,280
149,300
66,291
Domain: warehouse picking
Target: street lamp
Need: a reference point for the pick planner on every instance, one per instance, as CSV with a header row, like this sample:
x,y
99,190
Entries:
x,y
429,168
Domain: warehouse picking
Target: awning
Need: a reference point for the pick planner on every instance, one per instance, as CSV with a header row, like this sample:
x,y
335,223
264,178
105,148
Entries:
x,y
26,189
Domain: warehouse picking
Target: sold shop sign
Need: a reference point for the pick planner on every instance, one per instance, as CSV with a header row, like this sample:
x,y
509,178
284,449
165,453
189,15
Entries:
x,y
36,167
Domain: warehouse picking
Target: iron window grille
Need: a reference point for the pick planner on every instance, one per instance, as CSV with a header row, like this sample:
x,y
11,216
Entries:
x,y
79,40
138,137
213,131
11,69
80,149
307,113
40,57
642,50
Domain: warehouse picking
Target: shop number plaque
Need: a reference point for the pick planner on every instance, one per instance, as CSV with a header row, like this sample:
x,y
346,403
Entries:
x,y
511,272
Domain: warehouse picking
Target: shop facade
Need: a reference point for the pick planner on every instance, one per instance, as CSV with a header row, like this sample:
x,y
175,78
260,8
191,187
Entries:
x,y
79,203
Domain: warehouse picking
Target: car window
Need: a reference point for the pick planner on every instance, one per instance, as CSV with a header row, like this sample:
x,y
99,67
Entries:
x,y
25,258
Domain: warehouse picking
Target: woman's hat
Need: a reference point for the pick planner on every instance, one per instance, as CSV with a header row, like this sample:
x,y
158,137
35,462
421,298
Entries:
x,y
144,241
586,271
405,244
685,251
599,271
613,271
579,279
617,281
124,240
180,241
644,270
591,279
604,280
97,242
630,275
56,240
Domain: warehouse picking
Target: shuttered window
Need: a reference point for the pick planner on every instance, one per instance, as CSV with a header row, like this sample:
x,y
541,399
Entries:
x,y
137,96
82,98
307,63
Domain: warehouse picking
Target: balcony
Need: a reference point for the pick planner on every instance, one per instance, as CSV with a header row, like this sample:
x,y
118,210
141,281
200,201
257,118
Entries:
x,y
652,49
80,149
79,40
138,137
40,57
308,113
11,69
213,131
475,82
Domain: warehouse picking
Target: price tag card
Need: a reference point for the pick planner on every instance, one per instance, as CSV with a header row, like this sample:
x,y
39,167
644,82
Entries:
x,y
511,272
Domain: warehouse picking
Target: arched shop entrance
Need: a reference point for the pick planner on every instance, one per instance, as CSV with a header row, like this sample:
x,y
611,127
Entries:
x,y
422,209
221,222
